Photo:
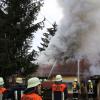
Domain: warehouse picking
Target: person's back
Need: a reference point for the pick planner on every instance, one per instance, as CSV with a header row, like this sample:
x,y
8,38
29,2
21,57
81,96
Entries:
x,y
59,89
16,91
31,96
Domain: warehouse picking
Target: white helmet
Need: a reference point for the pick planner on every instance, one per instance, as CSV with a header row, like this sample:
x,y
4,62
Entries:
x,y
89,80
32,82
1,81
45,79
19,80
75,79
58,78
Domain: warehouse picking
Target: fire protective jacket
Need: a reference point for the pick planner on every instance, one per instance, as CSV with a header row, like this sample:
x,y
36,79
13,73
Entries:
x,y
59,91
75,87
2,91
32,96
76,90
15,92
90,88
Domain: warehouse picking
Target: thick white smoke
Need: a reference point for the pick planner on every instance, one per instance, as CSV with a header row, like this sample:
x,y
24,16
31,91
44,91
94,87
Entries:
x,y
95,70
78,33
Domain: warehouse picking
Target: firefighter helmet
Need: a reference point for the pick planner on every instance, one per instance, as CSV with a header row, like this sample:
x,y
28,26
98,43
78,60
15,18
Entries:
x,y
33,82
1,81
58,78
19,80
75,79
45,79
89,80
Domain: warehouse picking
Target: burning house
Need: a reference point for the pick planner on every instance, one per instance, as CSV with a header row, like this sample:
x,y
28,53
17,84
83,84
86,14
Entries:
x,y
78,37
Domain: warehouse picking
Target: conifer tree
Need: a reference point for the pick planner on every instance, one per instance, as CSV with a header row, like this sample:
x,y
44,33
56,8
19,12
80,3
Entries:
x,y
17,28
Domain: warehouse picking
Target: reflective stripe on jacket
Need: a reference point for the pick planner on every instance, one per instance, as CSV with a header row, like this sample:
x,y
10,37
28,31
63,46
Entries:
x,y
15,92
31,96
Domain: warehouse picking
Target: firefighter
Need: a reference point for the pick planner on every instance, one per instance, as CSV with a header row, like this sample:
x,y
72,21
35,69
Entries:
x,y
76,89
90,89
59,89
2,89
83,90
33,90
16,91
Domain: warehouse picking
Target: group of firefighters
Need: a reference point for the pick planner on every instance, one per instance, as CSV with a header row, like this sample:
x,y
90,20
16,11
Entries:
x,y
33,90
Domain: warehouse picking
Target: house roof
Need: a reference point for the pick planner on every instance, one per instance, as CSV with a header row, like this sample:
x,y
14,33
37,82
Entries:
x,y
65,69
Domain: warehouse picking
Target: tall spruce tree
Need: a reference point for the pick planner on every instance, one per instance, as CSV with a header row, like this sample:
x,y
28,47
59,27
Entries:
x,y
17,28
47,37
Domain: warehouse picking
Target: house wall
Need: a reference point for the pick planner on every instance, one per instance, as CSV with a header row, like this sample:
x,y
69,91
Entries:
x,y
66,78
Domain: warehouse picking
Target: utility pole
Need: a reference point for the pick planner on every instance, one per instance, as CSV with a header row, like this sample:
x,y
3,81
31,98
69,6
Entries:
x,y
78,70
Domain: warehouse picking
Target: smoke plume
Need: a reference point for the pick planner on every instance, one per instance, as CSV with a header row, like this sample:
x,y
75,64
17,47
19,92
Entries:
x,y
78,34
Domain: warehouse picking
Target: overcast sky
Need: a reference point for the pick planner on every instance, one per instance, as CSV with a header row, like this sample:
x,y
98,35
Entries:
x,y
53,13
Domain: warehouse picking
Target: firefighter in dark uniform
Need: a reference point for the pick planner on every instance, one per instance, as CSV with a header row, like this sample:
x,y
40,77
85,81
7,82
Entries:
x,y
76,89
16,91
59,89
90,89
33,90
